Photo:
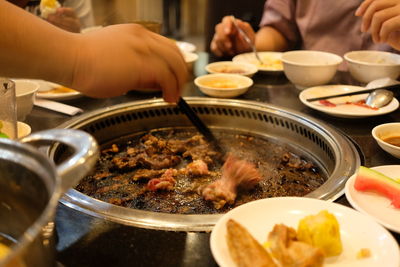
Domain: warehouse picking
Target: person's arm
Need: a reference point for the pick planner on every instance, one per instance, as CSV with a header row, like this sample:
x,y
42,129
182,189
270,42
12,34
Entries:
x,y
382,19
228,42
105,63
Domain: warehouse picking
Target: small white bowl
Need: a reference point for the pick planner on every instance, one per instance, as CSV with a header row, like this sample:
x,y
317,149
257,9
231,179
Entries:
x,y
366,66
190,58
223,85
307,68
383,131
231,67
23,129
25,91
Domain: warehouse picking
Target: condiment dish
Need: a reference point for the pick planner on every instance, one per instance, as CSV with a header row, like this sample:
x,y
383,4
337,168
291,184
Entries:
x,y
388,137
231,67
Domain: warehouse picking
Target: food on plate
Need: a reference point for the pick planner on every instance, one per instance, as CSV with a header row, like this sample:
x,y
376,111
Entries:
x,y
222,84
178,171
244,248
321,230
228,69
59,90
270,63
360,103
288,250
372,180
393,140
363,253
48,7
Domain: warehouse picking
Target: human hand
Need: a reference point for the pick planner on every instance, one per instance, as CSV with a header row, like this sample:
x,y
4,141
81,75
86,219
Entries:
x,y
227,41
66,19
120,58
382,19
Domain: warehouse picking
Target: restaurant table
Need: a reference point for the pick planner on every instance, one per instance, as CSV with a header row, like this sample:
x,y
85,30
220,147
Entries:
x,y
82,242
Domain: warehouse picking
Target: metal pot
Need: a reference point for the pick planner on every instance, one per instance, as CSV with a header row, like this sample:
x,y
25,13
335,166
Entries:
x,y
30,187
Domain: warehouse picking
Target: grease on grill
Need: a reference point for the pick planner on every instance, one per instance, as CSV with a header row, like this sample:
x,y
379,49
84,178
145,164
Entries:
x,y
124,169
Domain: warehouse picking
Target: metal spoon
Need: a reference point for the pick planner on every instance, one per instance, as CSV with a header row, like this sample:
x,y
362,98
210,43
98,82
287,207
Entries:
x,y
247,39
379,98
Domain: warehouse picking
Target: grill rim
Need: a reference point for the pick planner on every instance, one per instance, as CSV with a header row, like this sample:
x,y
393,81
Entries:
x,y
204,222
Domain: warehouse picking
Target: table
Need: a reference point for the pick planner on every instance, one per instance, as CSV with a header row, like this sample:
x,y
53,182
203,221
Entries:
x,y
84,241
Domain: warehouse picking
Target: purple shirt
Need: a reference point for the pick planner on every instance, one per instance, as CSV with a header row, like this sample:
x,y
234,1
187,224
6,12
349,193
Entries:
x,y
325,25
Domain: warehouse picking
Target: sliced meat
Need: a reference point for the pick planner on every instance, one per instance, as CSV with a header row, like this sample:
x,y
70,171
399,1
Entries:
x,y
145,174
196,168
235,174
165,182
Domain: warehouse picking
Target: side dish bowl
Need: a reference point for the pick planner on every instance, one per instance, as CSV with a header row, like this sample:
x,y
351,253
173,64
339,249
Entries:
x,y
230,67
223,85
386,135
307,68
366,66
25,91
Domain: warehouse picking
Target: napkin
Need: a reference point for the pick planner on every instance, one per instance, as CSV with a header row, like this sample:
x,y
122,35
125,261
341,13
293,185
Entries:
x,y
56,106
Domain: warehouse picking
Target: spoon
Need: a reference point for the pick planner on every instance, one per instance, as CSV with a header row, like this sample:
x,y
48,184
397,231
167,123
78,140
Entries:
x,y
247,39
379,98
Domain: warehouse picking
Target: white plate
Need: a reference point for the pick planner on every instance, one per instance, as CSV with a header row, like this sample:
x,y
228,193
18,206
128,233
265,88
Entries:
x,y
373,204
45,86
343,110
185,46
357,230
267,57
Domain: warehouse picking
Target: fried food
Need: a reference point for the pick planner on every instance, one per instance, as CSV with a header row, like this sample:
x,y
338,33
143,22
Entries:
x,y
244,249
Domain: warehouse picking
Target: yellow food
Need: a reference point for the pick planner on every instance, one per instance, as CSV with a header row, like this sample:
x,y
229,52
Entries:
x,y
363,253
49,3
59,90
222,84
4,250
322,231
271,63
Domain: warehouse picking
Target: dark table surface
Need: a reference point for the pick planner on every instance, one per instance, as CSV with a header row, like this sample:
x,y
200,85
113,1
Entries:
x,y
86,241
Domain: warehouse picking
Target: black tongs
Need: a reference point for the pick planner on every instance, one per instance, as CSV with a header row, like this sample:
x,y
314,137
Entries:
x,y
199,124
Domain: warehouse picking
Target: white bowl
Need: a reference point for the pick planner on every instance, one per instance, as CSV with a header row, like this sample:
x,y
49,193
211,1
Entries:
x,y
387,130
307,68
231,67
218,85
190,58
23,129
366,66
25,91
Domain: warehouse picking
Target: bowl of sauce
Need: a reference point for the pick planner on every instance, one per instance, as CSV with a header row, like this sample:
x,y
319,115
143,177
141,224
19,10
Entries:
x,y
387,137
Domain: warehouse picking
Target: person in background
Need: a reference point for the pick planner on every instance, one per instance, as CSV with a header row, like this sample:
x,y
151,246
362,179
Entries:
x,y
72,15
104,63
328,25
381,18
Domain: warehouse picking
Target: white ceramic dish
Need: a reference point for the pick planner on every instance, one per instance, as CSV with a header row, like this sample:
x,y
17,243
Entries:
x,y
342,109
306,68
373,204
384,131
231,67
25,91
272,60
369,65
23,129
240,84
357,230
185,46
46,86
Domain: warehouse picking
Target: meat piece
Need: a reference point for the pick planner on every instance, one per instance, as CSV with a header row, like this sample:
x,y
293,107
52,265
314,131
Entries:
x,y
290,252
235,174
145,174
196,168
165,182
158,161
294,161
244,248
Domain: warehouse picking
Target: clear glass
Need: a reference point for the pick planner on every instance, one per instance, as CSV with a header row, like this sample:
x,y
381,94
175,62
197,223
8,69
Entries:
x,y
8,109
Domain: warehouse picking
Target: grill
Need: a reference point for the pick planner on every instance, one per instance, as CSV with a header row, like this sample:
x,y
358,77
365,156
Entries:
x,y
334,154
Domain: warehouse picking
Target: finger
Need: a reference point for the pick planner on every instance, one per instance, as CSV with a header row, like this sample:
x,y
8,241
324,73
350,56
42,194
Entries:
x,y
363,7
390,26
370,12
214,48
222,39
227,25
378,19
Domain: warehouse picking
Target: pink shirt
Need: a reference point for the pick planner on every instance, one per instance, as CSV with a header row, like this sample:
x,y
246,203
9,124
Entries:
x,y
325,25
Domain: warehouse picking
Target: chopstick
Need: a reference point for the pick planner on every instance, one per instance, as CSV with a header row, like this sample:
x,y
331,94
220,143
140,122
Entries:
x,y
199,124
387,87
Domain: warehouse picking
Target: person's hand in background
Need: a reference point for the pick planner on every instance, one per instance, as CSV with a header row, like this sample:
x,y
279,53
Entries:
x,y
227,41
120,58
66,19
382,19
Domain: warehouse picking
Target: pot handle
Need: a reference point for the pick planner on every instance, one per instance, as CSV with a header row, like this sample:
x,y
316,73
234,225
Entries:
x,y
82,160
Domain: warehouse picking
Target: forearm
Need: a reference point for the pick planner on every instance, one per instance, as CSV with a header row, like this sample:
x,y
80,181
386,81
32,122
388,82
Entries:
x,y
33,48
269,39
